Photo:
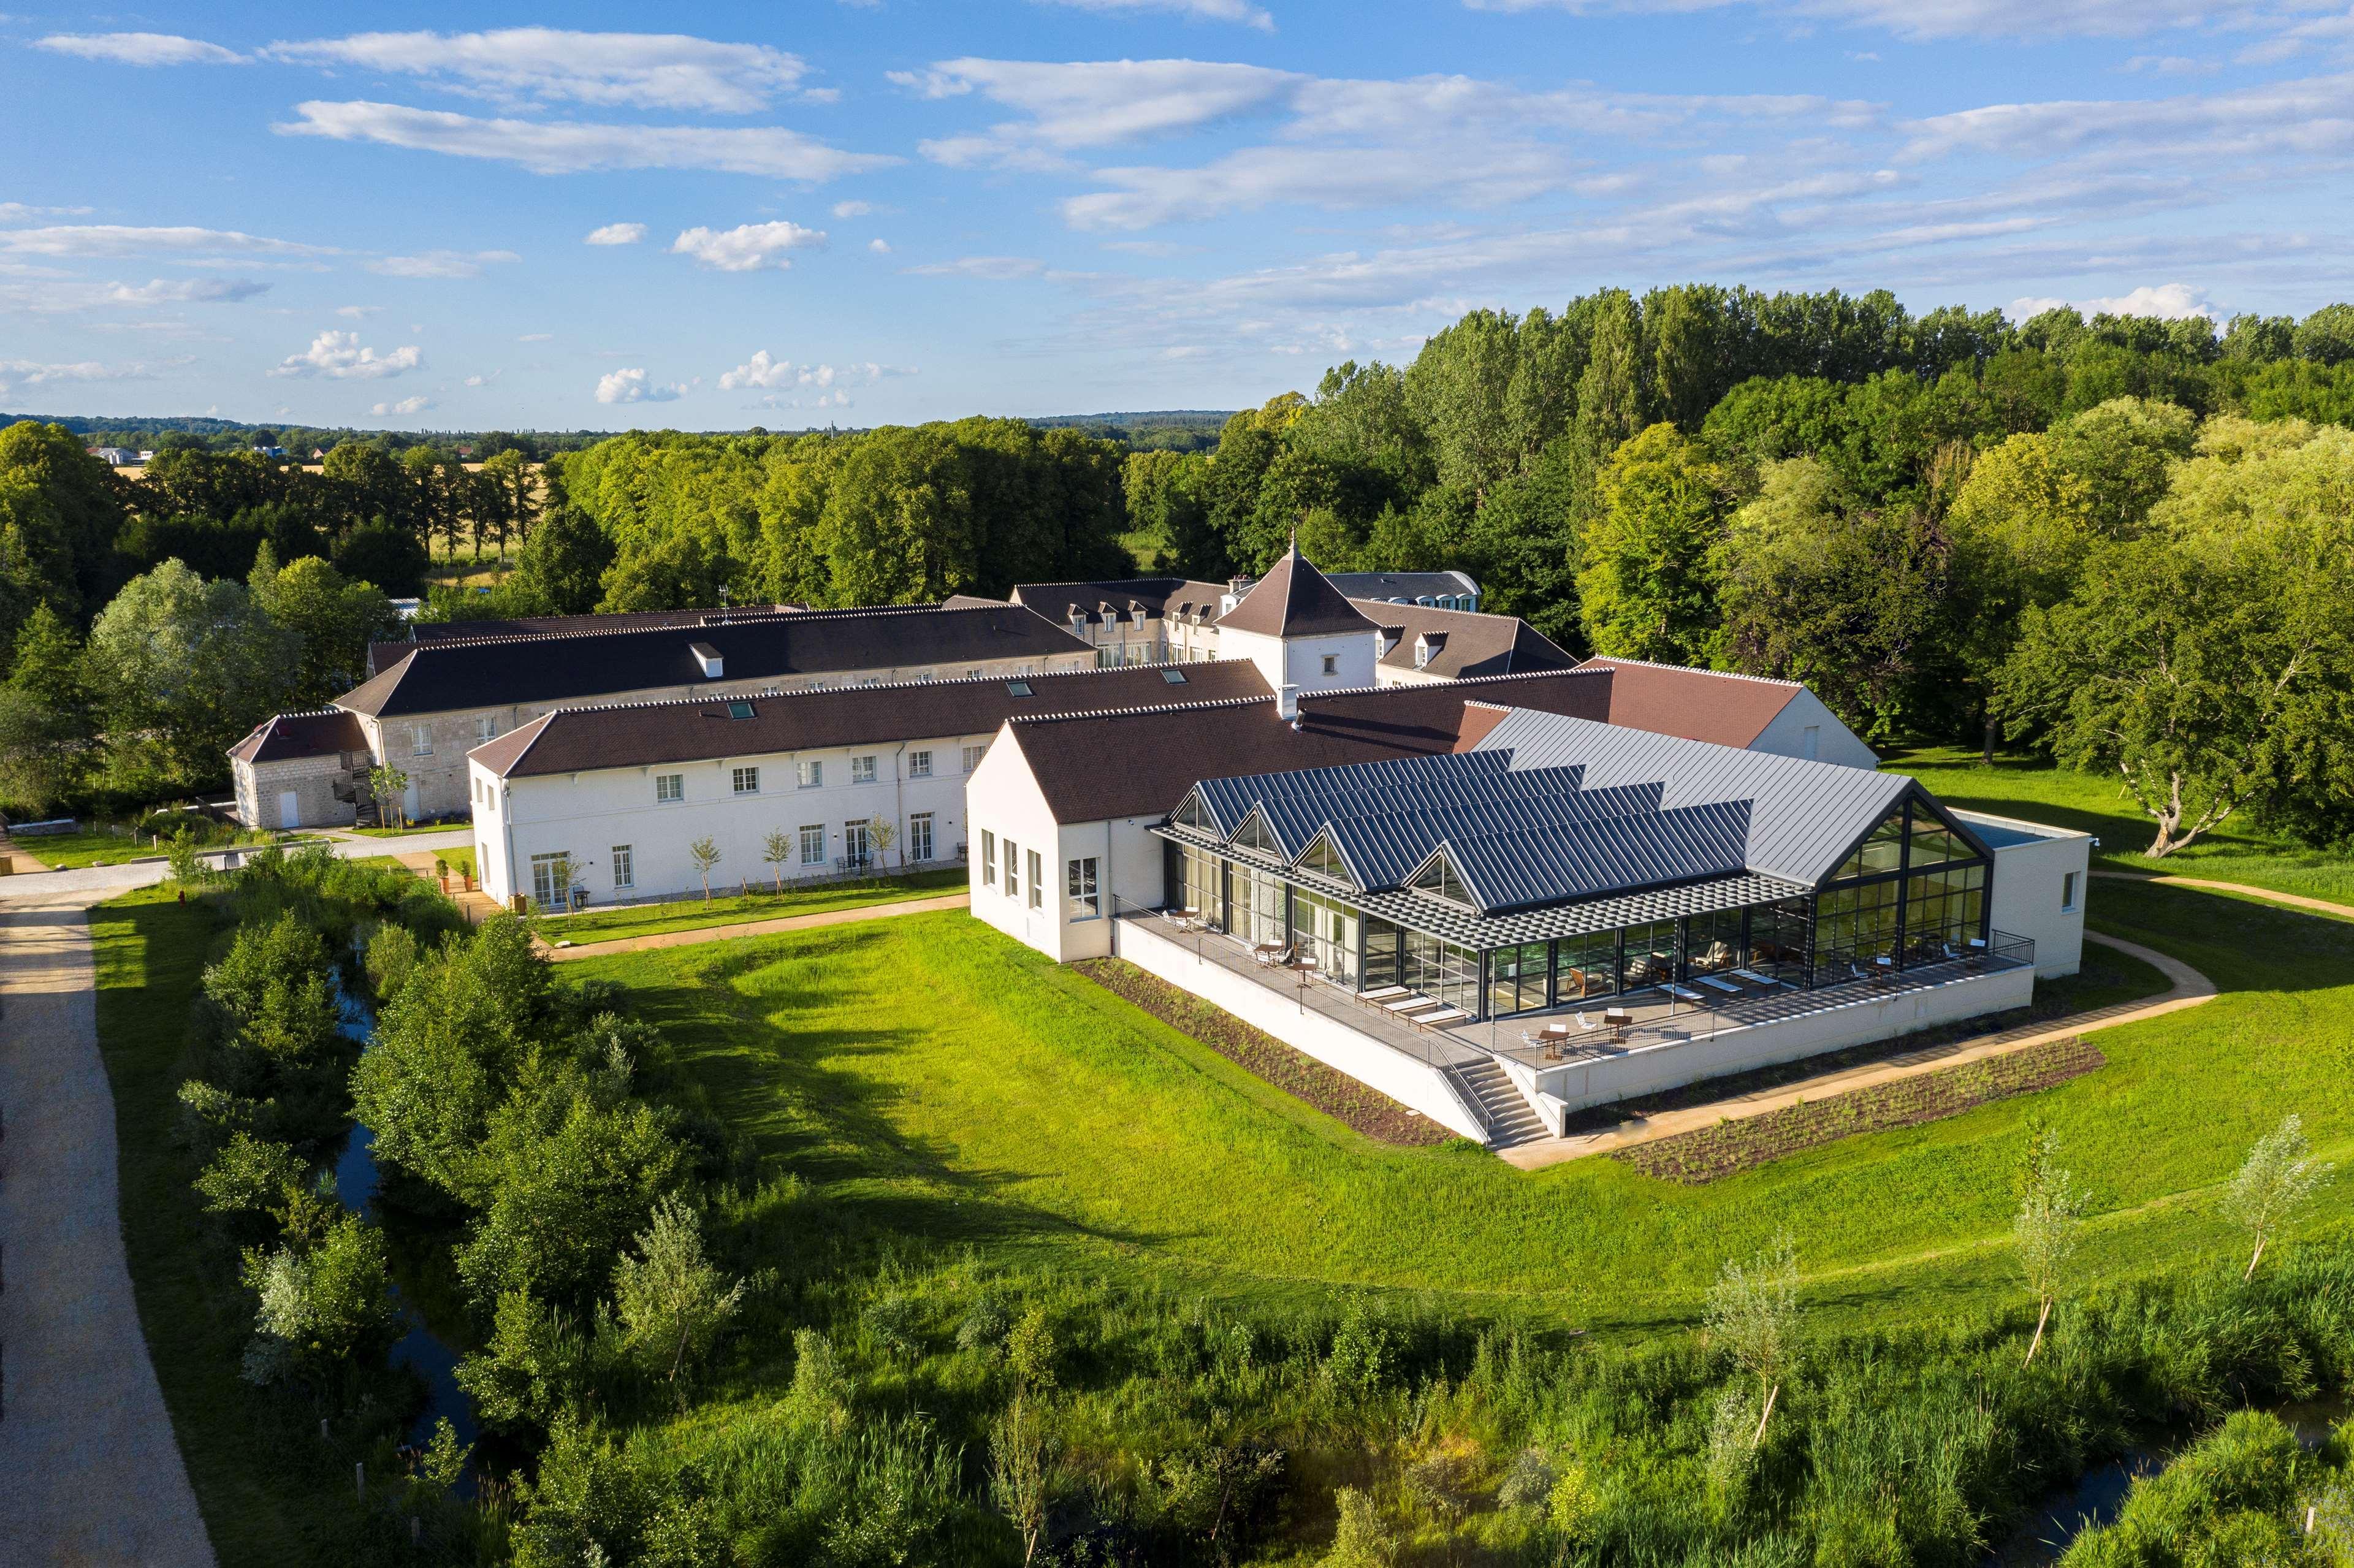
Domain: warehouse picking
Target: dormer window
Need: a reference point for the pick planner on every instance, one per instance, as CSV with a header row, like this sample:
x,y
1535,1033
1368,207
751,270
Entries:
x,y
1437,880
1421,652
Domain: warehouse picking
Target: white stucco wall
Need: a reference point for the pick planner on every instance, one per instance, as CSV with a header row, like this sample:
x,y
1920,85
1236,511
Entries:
x,y
440,775
2034,894
587,814
1831,742
1002,800
1299,660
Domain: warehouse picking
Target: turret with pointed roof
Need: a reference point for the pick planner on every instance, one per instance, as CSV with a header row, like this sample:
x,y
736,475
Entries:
x,y
1295,599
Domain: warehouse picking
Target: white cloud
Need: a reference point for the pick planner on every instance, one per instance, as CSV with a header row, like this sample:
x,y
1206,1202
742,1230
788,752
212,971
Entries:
x,y
18,212
416,405
121,239
1910,19
1091,103
852,209
572,147
16,374
140,48
998,268
441,263
880,247
358,312
339,357
1192,10
762,372
748,247
1492,176
2312,116
617,234
632,386
2166,302
184,291
536,337
641,70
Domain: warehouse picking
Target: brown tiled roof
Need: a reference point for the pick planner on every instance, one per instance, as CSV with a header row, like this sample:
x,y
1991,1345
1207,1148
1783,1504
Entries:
x,y
572,667
1295,600
1698,705
629,735
1471,642
322,734
1094,767
1161,596
382,656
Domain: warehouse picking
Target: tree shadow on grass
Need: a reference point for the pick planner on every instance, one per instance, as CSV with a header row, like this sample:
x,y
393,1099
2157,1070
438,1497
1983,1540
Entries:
x,y
2241,945
797,1100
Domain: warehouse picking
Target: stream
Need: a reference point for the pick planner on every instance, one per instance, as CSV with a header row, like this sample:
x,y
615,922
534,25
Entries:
x,y
419,1349
2099,1496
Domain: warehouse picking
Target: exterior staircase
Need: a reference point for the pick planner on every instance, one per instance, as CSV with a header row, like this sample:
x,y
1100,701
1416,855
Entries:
x,y
1503,1110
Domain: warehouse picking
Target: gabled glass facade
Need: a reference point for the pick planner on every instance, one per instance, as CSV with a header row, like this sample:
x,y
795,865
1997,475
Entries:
x,y
1913,890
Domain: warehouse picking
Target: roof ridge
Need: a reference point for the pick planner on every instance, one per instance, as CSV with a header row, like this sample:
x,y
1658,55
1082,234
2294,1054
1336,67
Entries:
x,y
999,679
1205,703
1457,681
749,617
1691,669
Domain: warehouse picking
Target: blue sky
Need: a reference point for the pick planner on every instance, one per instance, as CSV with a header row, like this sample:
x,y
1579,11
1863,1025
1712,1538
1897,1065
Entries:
x,y
910,209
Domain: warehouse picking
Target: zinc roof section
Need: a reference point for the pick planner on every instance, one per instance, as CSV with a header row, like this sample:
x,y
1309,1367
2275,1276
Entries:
x,y
1804,816
1386,847
1622,854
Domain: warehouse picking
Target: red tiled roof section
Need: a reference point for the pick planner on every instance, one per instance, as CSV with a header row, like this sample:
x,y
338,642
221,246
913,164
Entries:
x,y
1095,766
576,740
1295,599
325,733
1698,705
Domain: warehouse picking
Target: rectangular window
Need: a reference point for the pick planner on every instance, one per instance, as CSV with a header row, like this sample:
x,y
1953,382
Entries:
x,y
1331,663
972,754
813,844
1037,882
919,836
857,845
1014,869
551,879
747,780
420,740
486,728
670,787
919,765
861,770
809,774
2068,892
1086,903
625,866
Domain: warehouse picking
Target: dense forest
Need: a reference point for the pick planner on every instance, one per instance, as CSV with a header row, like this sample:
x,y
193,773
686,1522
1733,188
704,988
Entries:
x,y
2123,540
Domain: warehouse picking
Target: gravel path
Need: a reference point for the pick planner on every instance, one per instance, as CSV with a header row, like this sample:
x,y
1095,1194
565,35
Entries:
x,y
89,1471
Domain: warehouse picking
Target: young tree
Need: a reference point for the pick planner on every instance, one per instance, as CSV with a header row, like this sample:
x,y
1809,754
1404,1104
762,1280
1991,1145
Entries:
x,y
389,785
672,1302
1752,1312
2051,1218
881,834
704,854
2277,1180
778,850
1021,1470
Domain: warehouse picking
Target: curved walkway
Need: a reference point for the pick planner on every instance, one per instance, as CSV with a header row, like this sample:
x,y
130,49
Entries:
x,y
2293,900
2185,988
90,1470
760,927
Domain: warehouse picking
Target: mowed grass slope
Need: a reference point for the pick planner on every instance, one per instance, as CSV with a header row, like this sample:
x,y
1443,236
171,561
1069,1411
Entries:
x,y
2018,786
938,1083
625,921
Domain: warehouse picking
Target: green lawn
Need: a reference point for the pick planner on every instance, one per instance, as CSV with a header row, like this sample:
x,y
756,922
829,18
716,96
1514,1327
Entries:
x,y
935,1080
99,846
259,1508
736,909
409,831
2040,792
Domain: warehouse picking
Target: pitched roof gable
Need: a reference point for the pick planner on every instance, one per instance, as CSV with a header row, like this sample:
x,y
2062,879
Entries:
x,y
1295,599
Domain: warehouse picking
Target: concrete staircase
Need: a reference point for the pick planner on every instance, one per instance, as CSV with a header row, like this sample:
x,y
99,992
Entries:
x,y
1503,1110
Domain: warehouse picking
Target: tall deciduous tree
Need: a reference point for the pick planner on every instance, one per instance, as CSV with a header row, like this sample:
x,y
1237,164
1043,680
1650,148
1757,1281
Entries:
x,y
187,666
1648,586
48,725
333,620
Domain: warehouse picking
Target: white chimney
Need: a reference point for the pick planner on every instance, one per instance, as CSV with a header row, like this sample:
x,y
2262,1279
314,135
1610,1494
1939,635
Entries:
x,y
708,657
1287,703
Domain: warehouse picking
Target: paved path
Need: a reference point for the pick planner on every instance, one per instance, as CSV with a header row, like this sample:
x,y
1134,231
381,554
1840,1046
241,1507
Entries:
x,y
2293,900
761,927
2187,988
89,1471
